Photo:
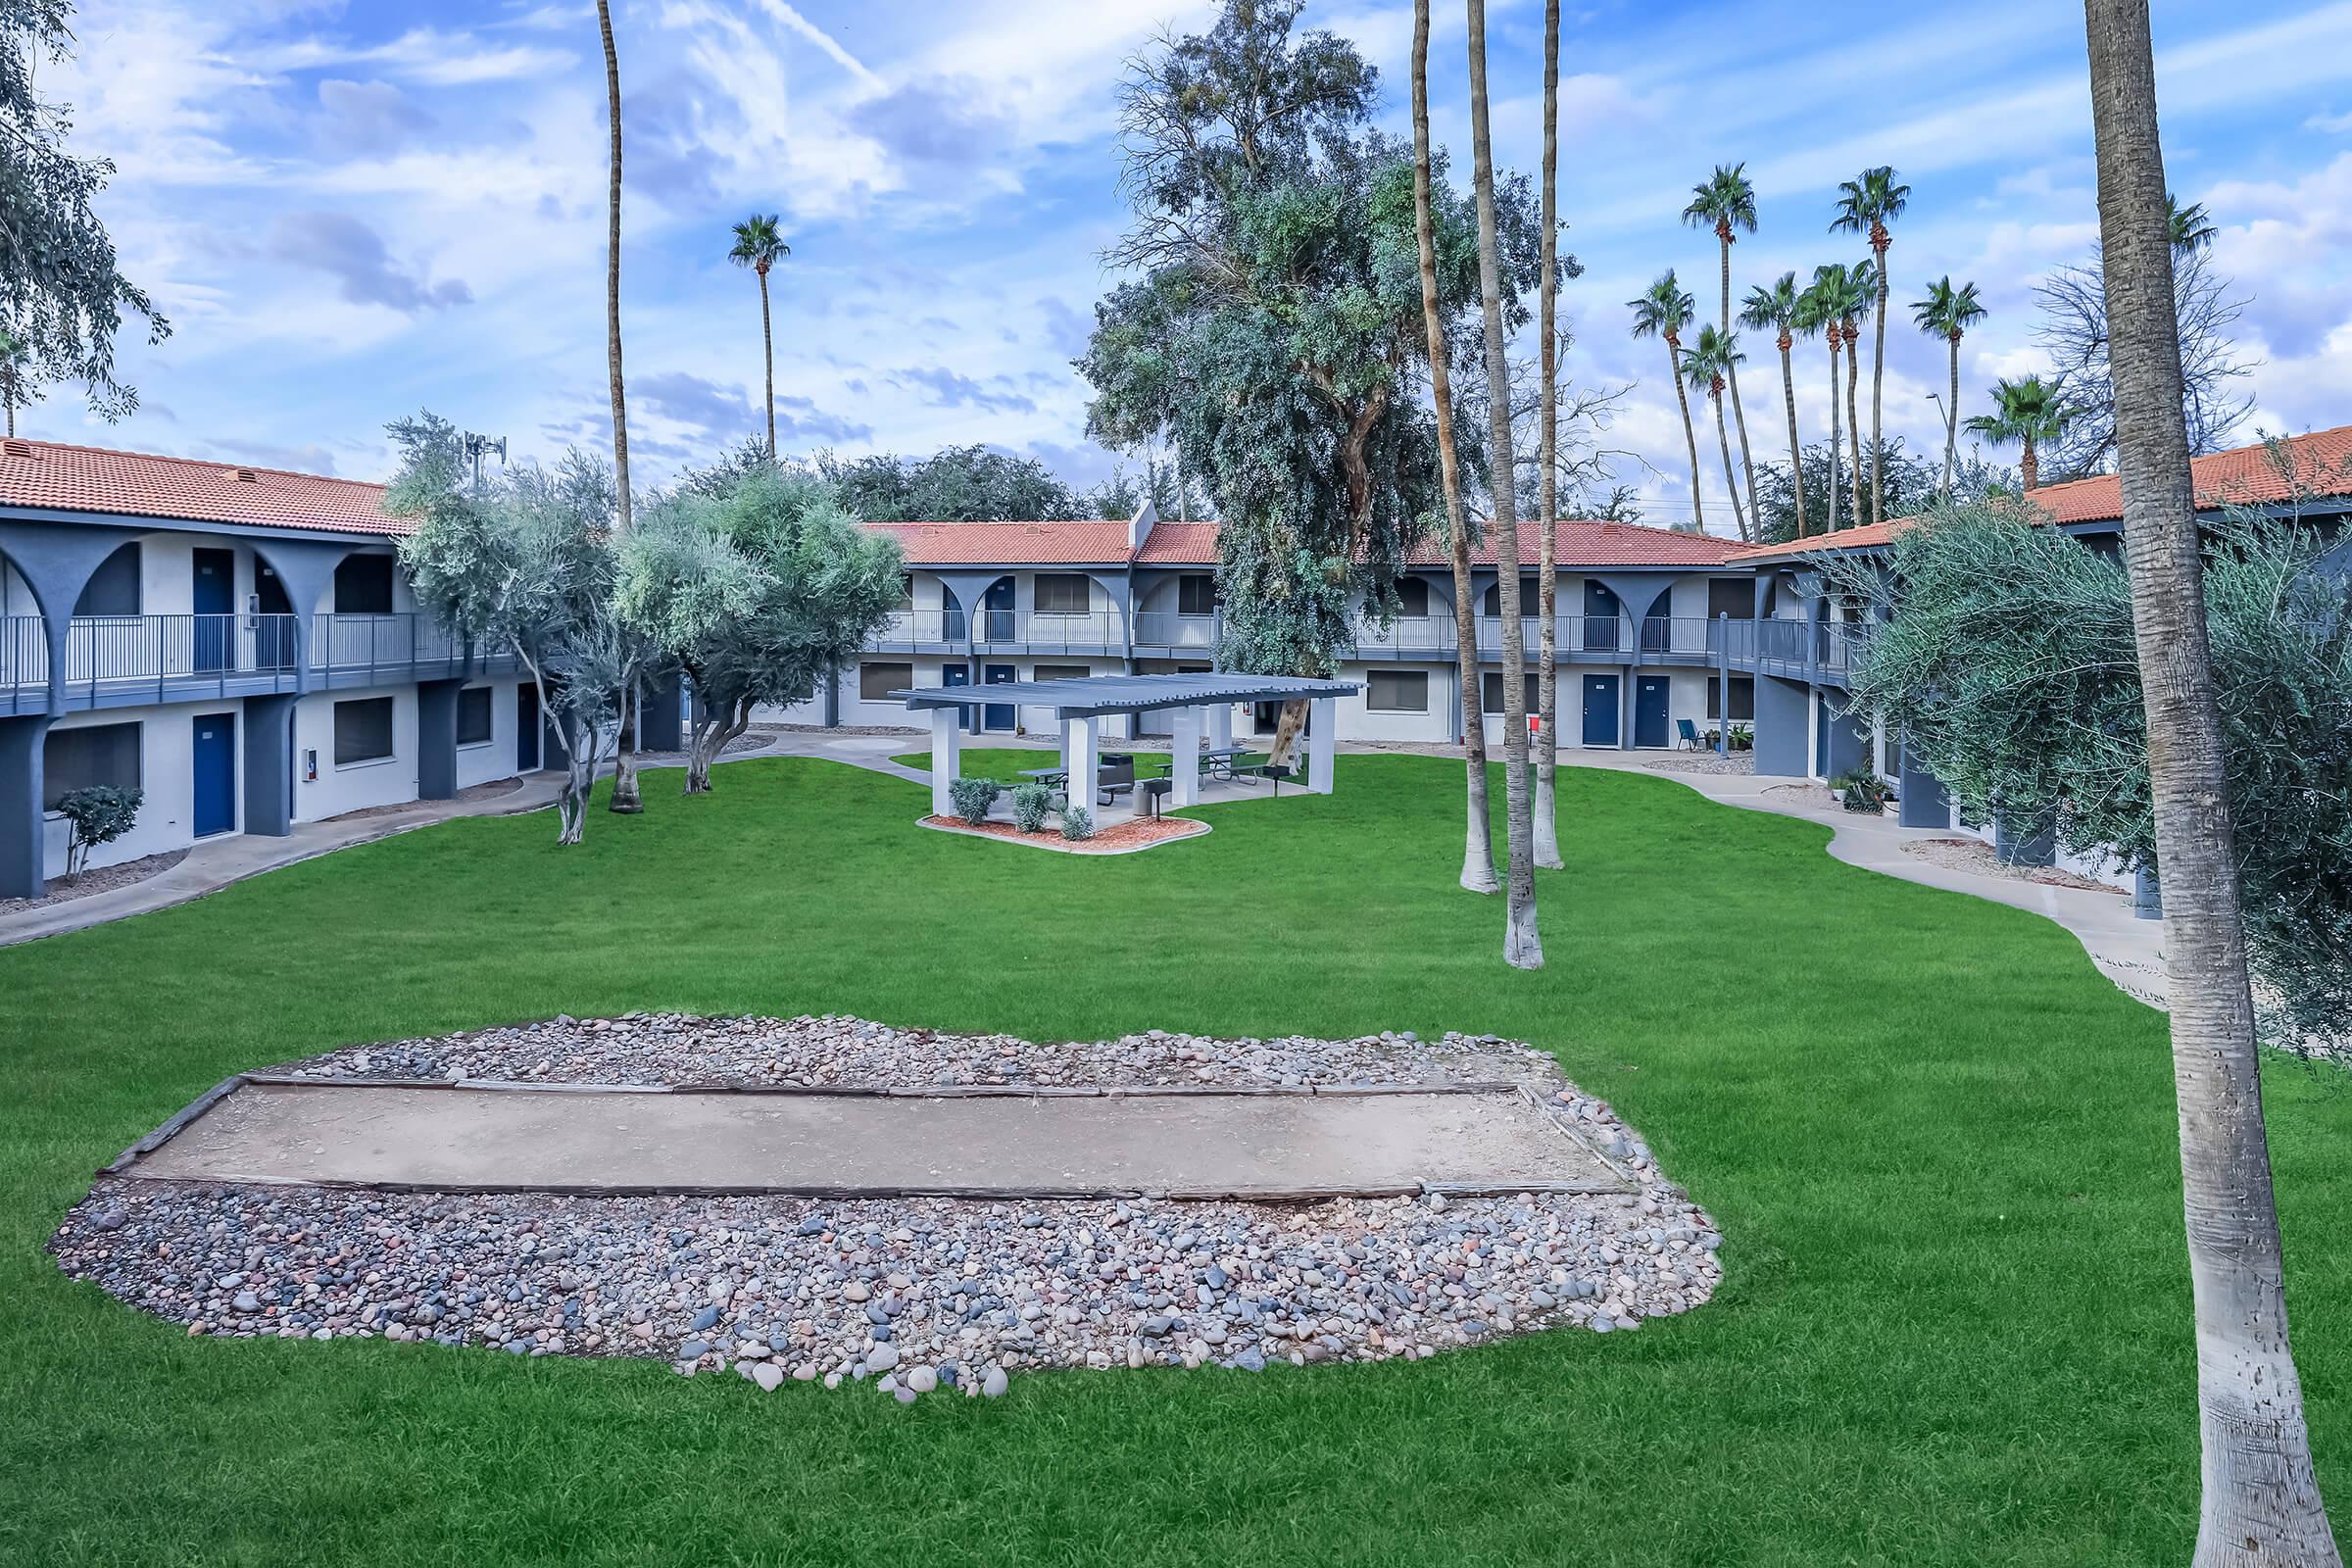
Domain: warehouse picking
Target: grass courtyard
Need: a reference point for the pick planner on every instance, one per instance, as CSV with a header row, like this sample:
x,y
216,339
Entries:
x,y
1954,1327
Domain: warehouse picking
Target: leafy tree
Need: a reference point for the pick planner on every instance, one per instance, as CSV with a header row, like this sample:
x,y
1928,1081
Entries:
x,y
1778,310
760,594
1866,206
1706,366
956,484
1726,202
1663,310
61,295
96,815
2027,413
1910,487
1948,312
760,246
1120,496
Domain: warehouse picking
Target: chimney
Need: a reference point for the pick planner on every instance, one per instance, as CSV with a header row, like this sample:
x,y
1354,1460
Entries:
x,y
1139,527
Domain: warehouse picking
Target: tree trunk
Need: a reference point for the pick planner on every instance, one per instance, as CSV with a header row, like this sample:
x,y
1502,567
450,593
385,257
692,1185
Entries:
x,y
1796,463
2261,1499
1878,381
1546,822
1478,849
1723,233
1951,425
1853,416
620,413
1674,371
1836,436
1522,946
626,799
2028,468
767,345
711,733
1739,517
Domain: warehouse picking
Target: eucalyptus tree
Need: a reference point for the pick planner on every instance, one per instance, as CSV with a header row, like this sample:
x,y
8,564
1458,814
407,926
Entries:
x,y
1707,366
1817,312
1780,309
1663,310
1726,202
1948,312
2261,1495
2027,413
1866,205
1545,826
1478,847
758,246
1522,946
62,294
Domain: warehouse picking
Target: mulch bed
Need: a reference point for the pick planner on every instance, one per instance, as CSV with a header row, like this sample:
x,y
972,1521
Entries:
x,y
1975,854
1133,834
105,879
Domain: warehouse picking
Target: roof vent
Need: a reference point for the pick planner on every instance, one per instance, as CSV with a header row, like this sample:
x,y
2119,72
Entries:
x,y
16,449
245,476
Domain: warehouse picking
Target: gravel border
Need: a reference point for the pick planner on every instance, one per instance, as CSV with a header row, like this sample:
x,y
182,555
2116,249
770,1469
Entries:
x,y
101,879
915,1293
1739,764
1980,858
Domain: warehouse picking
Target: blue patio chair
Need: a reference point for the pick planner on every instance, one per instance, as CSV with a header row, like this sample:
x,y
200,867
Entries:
x,y
1687,734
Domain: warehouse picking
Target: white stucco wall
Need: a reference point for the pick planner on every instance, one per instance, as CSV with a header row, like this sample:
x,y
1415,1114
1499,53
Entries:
x,y
337,790
166,784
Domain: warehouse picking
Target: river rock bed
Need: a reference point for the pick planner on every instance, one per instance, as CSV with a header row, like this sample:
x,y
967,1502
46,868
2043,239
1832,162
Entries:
x,y
913,1296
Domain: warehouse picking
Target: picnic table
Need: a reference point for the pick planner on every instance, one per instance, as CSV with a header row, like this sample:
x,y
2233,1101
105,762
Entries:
x,y
1047,775
1216,762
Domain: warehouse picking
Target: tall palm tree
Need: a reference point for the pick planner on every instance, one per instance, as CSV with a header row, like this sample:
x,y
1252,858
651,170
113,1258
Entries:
x,y
1779,309
1478,850
15,355
1947,312
2028,412
1663,310
1860,282
1817,312
1522,946
1707,365
760,247
627,798
1866,206
2261,1498
1546,846
2190,227
1725,203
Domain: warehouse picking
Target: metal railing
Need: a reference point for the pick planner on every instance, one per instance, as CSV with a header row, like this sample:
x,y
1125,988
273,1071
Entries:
x,y
1830,647
1158,629
1090,629
176,656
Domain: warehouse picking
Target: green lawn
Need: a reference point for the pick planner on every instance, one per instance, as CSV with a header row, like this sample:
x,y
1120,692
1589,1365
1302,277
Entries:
x,y
1955,1326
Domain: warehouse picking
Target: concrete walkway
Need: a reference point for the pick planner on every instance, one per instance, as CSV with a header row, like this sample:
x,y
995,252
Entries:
x,y
1196,1144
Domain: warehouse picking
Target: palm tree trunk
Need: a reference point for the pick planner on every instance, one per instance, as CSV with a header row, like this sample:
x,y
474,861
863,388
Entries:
x,y
2028,468
1853,416
2261,1498
620,413
1731,373
1951,424
768,344
1547,846
1673,372
1796,465
1878,382
1478,849
1739,517
1836,436
1522,946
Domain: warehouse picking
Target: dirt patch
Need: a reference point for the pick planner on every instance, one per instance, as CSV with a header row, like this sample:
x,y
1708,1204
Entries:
x,y
1978,856
489,789
1738,764
105,879
1136,833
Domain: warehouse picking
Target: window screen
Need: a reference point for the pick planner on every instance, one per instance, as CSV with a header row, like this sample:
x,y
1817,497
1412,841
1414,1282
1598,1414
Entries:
x,y
87,758
473,716
1737,600
1061,594
1195,594
1489,691
875,682
364,586
1412,596
1743,697
1062,672
1397,691
363,730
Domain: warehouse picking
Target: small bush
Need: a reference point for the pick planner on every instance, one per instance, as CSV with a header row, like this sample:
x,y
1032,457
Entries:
x,y
973,797
98,815
1860,791
1032,803
1077,823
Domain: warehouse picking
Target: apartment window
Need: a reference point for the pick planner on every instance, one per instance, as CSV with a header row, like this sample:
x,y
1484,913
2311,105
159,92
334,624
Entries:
x,y
363,731
1489,691
1743,697
906,590
875,682
1736,599
1397,691
364,586
1062,672
113,588
1195,594
473,716
1060,593
87,758
1412,596
1531,598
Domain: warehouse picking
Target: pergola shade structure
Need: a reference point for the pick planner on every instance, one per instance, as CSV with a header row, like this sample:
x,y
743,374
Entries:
x,y
1202,704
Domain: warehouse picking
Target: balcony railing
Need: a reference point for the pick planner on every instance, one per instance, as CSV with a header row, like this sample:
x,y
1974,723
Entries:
x,y
123,657
951,628
1158,629
1828,646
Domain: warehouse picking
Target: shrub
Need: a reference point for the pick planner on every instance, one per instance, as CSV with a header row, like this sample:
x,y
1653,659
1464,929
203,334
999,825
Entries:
x,y
973,797
1031,805
1077,823
1860,791
1744,739
98,815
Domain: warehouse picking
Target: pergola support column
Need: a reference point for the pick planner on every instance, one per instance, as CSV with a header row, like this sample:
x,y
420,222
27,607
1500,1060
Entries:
x,y
1323,719
946,753
1184,759
1220,726
1082,752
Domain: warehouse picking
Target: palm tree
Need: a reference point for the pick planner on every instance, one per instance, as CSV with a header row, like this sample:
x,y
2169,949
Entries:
x,y
1663,310
760,247
1817,312
2190,227
1860,284
1522,946
1947,312
2026,411
1779,309
1707,365
625,796
1546,846
15,355
1477,850
1867,206
1725,203
2261,1499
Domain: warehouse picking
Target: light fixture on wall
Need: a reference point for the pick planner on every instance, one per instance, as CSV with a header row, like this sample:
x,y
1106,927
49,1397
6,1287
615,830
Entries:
x,y
310,766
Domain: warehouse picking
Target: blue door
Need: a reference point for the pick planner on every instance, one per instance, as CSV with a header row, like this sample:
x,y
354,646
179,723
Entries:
x,y
216,604
1601,710
1600,626
997,715
1821,736
996,612
1649,711
958,675
216,768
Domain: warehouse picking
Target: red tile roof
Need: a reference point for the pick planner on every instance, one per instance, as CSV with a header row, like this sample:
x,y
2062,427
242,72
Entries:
x,y
990,544
1857,538
2320,463
55,477
1180,544
1578,543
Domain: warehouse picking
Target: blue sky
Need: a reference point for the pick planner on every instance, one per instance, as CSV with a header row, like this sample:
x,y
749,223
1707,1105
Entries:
x,y
350,210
